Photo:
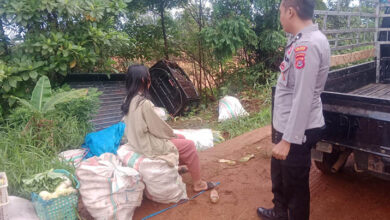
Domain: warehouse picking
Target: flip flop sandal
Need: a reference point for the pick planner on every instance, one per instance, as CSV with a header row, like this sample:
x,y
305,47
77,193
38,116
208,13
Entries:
x,y
210,185
214,197
183,170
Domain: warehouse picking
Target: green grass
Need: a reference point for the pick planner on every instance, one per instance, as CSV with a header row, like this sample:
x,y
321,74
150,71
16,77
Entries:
x,y
253,84
24,153
208,117
262,81
30,148
237,127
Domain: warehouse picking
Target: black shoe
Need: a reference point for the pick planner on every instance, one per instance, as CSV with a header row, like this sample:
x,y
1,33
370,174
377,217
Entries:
x,y
270,214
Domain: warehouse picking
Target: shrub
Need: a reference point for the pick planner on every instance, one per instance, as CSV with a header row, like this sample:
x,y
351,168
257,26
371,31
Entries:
x,y
30,148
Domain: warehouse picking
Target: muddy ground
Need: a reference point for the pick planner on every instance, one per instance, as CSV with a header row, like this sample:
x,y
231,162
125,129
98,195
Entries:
x,y
245,186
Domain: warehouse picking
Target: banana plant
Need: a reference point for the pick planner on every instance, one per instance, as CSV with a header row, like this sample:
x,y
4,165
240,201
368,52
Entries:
x,y
42,100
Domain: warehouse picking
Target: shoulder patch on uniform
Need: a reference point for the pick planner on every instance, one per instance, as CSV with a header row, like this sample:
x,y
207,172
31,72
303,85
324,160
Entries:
x,y
300,62
300,49
300,55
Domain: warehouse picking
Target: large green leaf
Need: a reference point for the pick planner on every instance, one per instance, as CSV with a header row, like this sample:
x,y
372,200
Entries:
x,y
25,103
41,93
63,97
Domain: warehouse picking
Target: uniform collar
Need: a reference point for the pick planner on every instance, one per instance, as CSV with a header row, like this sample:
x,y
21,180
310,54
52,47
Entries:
x,y
308,29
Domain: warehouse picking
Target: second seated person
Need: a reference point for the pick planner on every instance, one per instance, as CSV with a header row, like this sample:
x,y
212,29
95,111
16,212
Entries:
x,y
149,135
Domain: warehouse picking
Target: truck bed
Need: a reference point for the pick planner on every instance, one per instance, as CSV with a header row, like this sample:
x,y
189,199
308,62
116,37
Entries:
x,y
374,90
357,110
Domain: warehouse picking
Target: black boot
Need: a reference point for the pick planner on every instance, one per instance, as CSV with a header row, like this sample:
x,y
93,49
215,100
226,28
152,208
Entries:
x,y
271,214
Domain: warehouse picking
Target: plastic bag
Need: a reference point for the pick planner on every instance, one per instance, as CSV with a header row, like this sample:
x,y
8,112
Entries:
x,y
230,107
162,113
203,138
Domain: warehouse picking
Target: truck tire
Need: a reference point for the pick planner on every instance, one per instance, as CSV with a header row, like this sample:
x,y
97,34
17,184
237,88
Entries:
x,y
328,160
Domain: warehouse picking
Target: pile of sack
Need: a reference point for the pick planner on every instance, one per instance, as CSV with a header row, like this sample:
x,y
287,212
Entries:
x,y
163,182
112,186
108,189
114,179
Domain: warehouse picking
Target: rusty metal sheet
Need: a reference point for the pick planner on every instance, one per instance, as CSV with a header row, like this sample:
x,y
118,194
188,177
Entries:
x,y
113,94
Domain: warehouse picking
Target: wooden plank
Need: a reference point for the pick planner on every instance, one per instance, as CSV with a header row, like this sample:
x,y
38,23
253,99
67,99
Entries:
x,y
381,90
374,90
343,39
386,95
343,13
351,30
363,90
337,60
352,46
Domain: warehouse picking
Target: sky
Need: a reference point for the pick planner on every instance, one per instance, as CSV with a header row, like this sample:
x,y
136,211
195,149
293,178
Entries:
x,y
352,4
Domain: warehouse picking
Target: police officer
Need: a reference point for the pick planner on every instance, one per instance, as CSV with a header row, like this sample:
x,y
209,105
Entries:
x,y
297,116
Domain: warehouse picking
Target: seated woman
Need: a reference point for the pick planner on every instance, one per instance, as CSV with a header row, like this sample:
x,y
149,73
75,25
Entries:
x,y
149,135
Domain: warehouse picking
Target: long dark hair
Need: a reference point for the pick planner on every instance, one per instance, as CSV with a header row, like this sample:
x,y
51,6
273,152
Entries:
x,y
137,81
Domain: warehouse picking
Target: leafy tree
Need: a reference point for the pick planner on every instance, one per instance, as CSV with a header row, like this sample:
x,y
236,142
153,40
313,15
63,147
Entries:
x,y
56,37
228,36
147,34
160,6
210,38
223,9
272,38
320,5
269,31
188,42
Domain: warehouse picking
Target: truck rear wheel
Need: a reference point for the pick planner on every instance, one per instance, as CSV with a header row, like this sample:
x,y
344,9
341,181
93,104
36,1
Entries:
x,y
328,160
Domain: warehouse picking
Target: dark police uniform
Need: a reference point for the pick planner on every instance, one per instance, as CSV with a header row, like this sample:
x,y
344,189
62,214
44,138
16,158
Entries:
x,y
298,118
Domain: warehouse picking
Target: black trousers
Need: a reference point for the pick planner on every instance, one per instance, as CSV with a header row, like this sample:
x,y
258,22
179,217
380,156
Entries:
x,y
290,177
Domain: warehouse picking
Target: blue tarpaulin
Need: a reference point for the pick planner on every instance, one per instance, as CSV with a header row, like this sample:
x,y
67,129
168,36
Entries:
x,y
104,141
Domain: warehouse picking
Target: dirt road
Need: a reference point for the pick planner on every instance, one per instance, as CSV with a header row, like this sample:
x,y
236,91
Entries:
x,y
245,186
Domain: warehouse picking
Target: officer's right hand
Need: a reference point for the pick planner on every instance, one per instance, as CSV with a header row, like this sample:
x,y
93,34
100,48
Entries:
x,y
281,150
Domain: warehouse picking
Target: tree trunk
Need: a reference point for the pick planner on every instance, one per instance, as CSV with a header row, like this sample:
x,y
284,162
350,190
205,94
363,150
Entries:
x,y
200,48
196,76
210,87
222,74
162,9
248,64
3,39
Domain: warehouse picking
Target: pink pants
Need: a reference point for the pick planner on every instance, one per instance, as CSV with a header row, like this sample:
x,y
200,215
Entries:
x,y
188,155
